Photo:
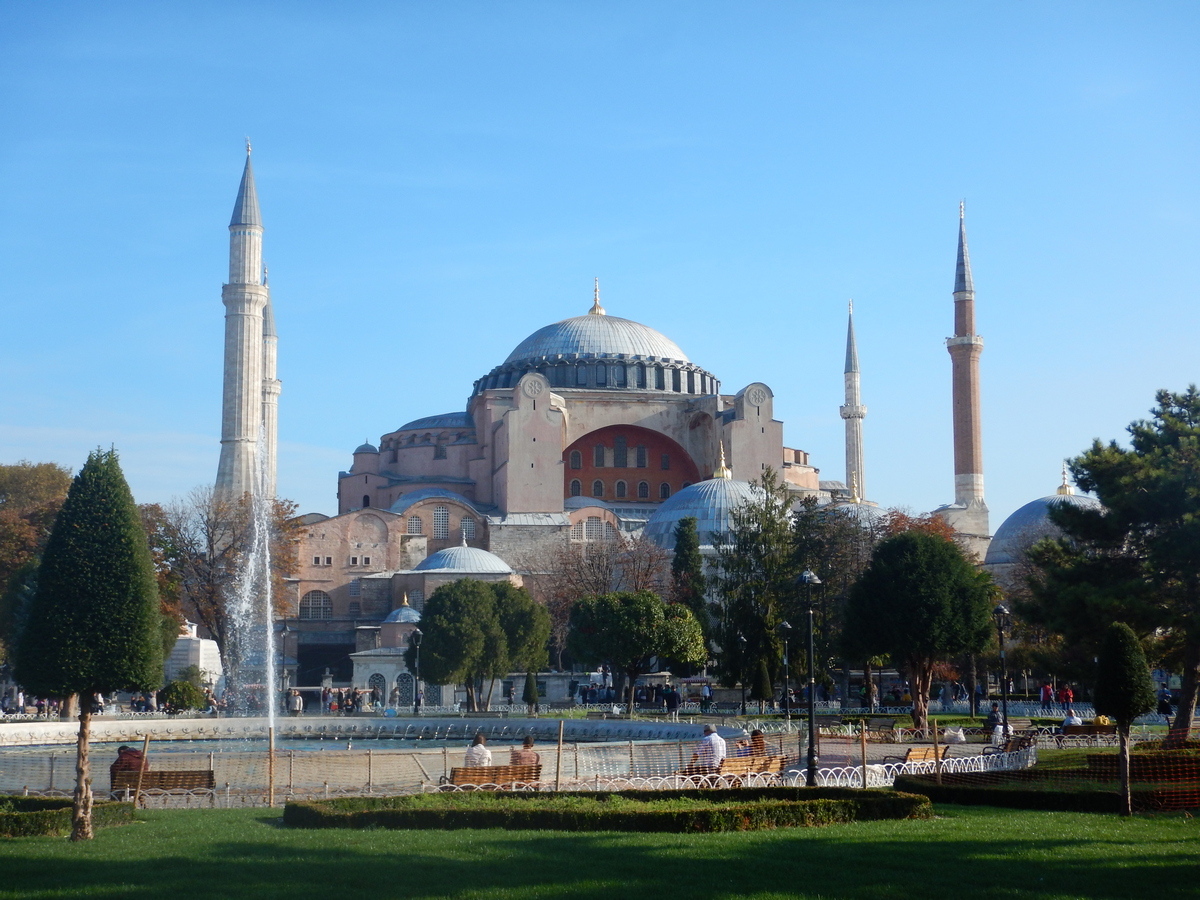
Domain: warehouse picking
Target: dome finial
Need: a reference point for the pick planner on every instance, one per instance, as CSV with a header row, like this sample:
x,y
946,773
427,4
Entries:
x,y
854,498
464,539
597,309
723,470
247,145
1065,488
404,602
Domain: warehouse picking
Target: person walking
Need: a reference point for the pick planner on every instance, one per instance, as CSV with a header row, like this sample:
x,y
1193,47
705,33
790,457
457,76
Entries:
x,y
673,700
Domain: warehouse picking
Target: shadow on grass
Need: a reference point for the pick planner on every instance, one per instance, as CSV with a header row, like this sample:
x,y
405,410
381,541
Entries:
x,y
859,861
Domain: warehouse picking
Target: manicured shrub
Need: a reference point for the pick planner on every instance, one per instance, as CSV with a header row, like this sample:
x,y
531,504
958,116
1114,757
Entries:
x,y
42,816
646,811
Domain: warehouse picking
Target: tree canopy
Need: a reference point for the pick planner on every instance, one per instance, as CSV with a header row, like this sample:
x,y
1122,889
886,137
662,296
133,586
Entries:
x,y
474,632
688,584
630,629
1123,691
1137,558
919,601
93,624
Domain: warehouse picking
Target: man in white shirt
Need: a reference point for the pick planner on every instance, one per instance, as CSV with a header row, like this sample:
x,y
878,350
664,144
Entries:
x,y
711,750
1071,718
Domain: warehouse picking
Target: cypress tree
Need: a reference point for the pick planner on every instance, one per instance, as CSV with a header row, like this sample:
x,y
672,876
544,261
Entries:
x,y
1123,691
93,624
687,571
530,694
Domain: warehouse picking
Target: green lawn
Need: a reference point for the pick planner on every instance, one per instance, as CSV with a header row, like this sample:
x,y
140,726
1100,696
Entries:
x,y
965,852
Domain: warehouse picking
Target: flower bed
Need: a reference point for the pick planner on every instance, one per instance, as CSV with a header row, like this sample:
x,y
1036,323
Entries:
x,y
745,809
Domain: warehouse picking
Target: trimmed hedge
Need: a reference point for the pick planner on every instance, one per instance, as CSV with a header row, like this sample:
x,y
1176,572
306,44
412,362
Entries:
x,y
689,811
41,816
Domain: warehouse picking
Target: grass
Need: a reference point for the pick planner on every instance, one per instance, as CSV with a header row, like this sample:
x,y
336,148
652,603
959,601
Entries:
x,y
197,854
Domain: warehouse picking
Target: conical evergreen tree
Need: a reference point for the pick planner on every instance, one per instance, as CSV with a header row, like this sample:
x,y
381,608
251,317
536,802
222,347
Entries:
x,y
93,625
1124,691
687,571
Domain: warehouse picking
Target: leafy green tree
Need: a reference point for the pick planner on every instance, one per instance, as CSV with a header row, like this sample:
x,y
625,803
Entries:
x,y
755,579
1137,559
180,696
629,630
93,625
919,601
687,574
475,632
529,696
1124,691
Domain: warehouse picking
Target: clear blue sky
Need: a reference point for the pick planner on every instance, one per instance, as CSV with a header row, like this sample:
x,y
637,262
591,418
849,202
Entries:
x,y
438,180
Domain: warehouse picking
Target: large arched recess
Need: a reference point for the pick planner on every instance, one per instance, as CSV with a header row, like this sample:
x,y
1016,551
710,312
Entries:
x,y
679,470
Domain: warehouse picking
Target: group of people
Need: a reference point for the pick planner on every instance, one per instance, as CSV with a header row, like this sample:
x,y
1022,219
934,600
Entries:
x,y
1064,696
478,754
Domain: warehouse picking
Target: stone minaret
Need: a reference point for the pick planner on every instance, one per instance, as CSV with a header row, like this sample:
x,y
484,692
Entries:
x,y
853,412
245,297
271,389
969,513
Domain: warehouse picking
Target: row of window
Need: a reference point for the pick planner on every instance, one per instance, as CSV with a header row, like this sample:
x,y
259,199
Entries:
x,y
621,489
319,605
618,375
354,561
441,525
594,529
620,457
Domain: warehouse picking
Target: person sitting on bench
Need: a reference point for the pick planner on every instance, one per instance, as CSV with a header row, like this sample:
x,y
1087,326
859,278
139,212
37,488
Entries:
x,y
526,756
711,749
1071,718
478,754
129,759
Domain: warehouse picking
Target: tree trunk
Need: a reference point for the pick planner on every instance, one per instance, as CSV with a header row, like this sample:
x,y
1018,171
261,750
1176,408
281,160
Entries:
x,y
487,698
921,676
1189,687
472,702
81,812
972,684
867,682
1123,769
845,684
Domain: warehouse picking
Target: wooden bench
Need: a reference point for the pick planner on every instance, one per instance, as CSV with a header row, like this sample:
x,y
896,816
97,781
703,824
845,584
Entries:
x,y
503,777
750,765
881,729
126,781
921,754
1068,730
1012,745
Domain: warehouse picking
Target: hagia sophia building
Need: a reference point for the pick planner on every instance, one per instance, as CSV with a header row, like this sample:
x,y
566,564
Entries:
x,y
591,426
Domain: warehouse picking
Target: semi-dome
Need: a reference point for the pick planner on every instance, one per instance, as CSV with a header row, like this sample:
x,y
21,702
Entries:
x,y
464,560
601,352
445,420
1030,524
712,504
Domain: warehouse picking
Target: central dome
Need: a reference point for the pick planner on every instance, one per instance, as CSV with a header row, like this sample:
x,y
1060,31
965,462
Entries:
x,y
596,335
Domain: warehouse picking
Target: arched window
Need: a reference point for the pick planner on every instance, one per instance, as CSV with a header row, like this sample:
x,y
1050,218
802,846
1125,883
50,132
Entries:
x,y
597,488
621,490
378,684
675,380
643,490
316,605
581,375
691,382
594,530
468,528
601,375
441,523
618,376
620,452
406,686
641,457
666,461
366,501
598,456
577,531
664,491
576,459
576,487
659,383
641,375
414,524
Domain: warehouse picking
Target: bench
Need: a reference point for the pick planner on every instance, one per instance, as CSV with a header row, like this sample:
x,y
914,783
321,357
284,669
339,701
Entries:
x,y
1012,745
921,754
503,777
736,767
881,729
165,780
1089,729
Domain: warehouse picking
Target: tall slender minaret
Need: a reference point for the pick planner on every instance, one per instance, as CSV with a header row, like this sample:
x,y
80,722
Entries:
x,y
854,412
969,514
244,297
271,389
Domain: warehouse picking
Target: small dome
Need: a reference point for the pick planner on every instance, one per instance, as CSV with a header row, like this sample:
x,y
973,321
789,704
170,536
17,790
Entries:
x,y
445,420
366,448
865,514
467,560
1028,525
404,614
596,334
710,502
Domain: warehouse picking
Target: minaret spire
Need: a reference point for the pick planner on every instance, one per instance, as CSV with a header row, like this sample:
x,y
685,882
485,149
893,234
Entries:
x,y
969,514
249,350
853,412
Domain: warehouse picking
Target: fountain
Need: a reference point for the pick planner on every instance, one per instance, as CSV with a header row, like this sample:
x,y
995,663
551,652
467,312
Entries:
x,y
250,606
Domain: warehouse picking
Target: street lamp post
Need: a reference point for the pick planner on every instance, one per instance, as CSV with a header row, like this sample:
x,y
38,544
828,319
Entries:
x,y
415,640
809,578
1001,615
742,670
785,629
